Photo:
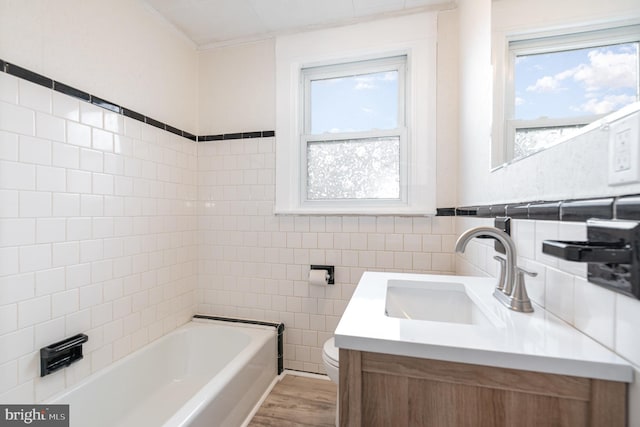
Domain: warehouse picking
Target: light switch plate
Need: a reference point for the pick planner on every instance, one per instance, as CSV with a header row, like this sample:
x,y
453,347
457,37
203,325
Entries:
x,y
624,152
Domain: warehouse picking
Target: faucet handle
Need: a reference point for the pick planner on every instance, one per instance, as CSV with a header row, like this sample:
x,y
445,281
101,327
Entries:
x,y
527,272
520,299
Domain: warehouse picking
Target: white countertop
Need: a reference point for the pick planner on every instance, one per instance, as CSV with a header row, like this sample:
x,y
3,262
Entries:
x,y
537,341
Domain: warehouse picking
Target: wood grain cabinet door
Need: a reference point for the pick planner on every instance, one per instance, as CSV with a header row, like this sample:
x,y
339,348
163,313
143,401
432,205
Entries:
x,y
386,390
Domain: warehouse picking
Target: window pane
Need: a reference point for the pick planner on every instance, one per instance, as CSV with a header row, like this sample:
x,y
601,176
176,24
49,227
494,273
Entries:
x,y
354,103
534,139
354,169
574,83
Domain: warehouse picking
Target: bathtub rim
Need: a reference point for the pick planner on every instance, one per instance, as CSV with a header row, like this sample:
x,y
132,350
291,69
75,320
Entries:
x,y
189,410
198,402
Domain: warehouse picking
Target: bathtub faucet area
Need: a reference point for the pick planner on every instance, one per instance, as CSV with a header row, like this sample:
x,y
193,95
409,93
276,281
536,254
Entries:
x,y
510,290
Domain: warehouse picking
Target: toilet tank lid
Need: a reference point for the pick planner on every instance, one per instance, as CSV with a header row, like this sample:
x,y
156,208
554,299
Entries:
x,y
330,349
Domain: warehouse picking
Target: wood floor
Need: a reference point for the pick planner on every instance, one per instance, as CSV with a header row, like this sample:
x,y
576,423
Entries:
x,y
298,401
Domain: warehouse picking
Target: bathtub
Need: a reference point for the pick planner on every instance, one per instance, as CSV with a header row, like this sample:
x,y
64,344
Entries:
x,y
202,374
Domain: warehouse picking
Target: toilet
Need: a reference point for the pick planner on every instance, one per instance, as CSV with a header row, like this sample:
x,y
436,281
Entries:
x,y
331,365
330,359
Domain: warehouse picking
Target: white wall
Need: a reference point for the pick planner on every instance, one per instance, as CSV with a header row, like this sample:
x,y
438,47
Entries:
x,y
237,88
97,235
97,211
474,70
98,229
253,263
563,172
117,49
237,93
573,169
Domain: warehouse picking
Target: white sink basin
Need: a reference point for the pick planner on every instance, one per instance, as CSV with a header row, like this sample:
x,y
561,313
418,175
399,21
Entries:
x,y
433,301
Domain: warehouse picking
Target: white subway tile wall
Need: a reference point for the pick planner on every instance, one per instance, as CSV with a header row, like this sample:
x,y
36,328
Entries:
x,y
98,234
253,264
562,288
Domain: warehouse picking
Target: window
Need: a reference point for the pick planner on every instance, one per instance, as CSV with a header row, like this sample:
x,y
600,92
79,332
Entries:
x,y
355,119
561,83
354,135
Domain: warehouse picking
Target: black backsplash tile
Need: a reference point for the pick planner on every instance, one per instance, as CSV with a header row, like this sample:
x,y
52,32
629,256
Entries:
x,y
133,114
233,136
498,210
268,133
173,130
518,211
483,211
190,136
71,91
252,134
206,138
2,65
25,74
466,211
628,207
445,211
107,105
154,123
582,210
549,211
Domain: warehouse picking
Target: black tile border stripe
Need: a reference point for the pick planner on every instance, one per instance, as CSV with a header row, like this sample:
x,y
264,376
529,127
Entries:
x,y
105,104
25,74
133,114
41,80
279,328
238,135
579,210
71,91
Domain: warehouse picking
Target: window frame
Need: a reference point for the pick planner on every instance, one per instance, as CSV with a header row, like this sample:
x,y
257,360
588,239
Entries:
x,y
551,42
396,63
412,35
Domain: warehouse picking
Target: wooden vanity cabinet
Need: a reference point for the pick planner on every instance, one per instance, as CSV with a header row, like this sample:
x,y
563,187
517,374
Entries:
x,y
387,390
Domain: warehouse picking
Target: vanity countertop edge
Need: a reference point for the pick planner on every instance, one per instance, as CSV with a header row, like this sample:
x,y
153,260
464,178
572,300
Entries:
x,y
538,342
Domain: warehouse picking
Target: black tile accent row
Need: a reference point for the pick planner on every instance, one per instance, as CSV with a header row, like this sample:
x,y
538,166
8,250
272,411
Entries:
x,y
190,136
41,80
279,328
105,104
133,114
446,212
239,135
71,91
154,123
621,207
25,74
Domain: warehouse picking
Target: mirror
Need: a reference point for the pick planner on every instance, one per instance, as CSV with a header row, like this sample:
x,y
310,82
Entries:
x,y
559,66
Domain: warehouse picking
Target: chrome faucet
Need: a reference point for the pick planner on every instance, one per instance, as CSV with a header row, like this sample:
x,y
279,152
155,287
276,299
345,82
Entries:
x,y
510,290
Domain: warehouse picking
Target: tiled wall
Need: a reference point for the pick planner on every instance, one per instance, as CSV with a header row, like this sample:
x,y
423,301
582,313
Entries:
x,y
97,234
561,288
254,264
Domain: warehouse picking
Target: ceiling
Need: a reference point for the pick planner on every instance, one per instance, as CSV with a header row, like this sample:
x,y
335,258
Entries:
x,y
219,22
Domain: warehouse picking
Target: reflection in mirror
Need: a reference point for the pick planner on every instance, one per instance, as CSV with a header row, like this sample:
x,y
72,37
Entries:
x,y
552,81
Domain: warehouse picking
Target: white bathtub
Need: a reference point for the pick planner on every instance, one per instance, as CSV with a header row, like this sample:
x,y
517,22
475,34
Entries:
x,y
202,374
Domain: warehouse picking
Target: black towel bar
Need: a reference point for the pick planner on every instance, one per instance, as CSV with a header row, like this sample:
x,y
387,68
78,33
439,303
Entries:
x,y
612,251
